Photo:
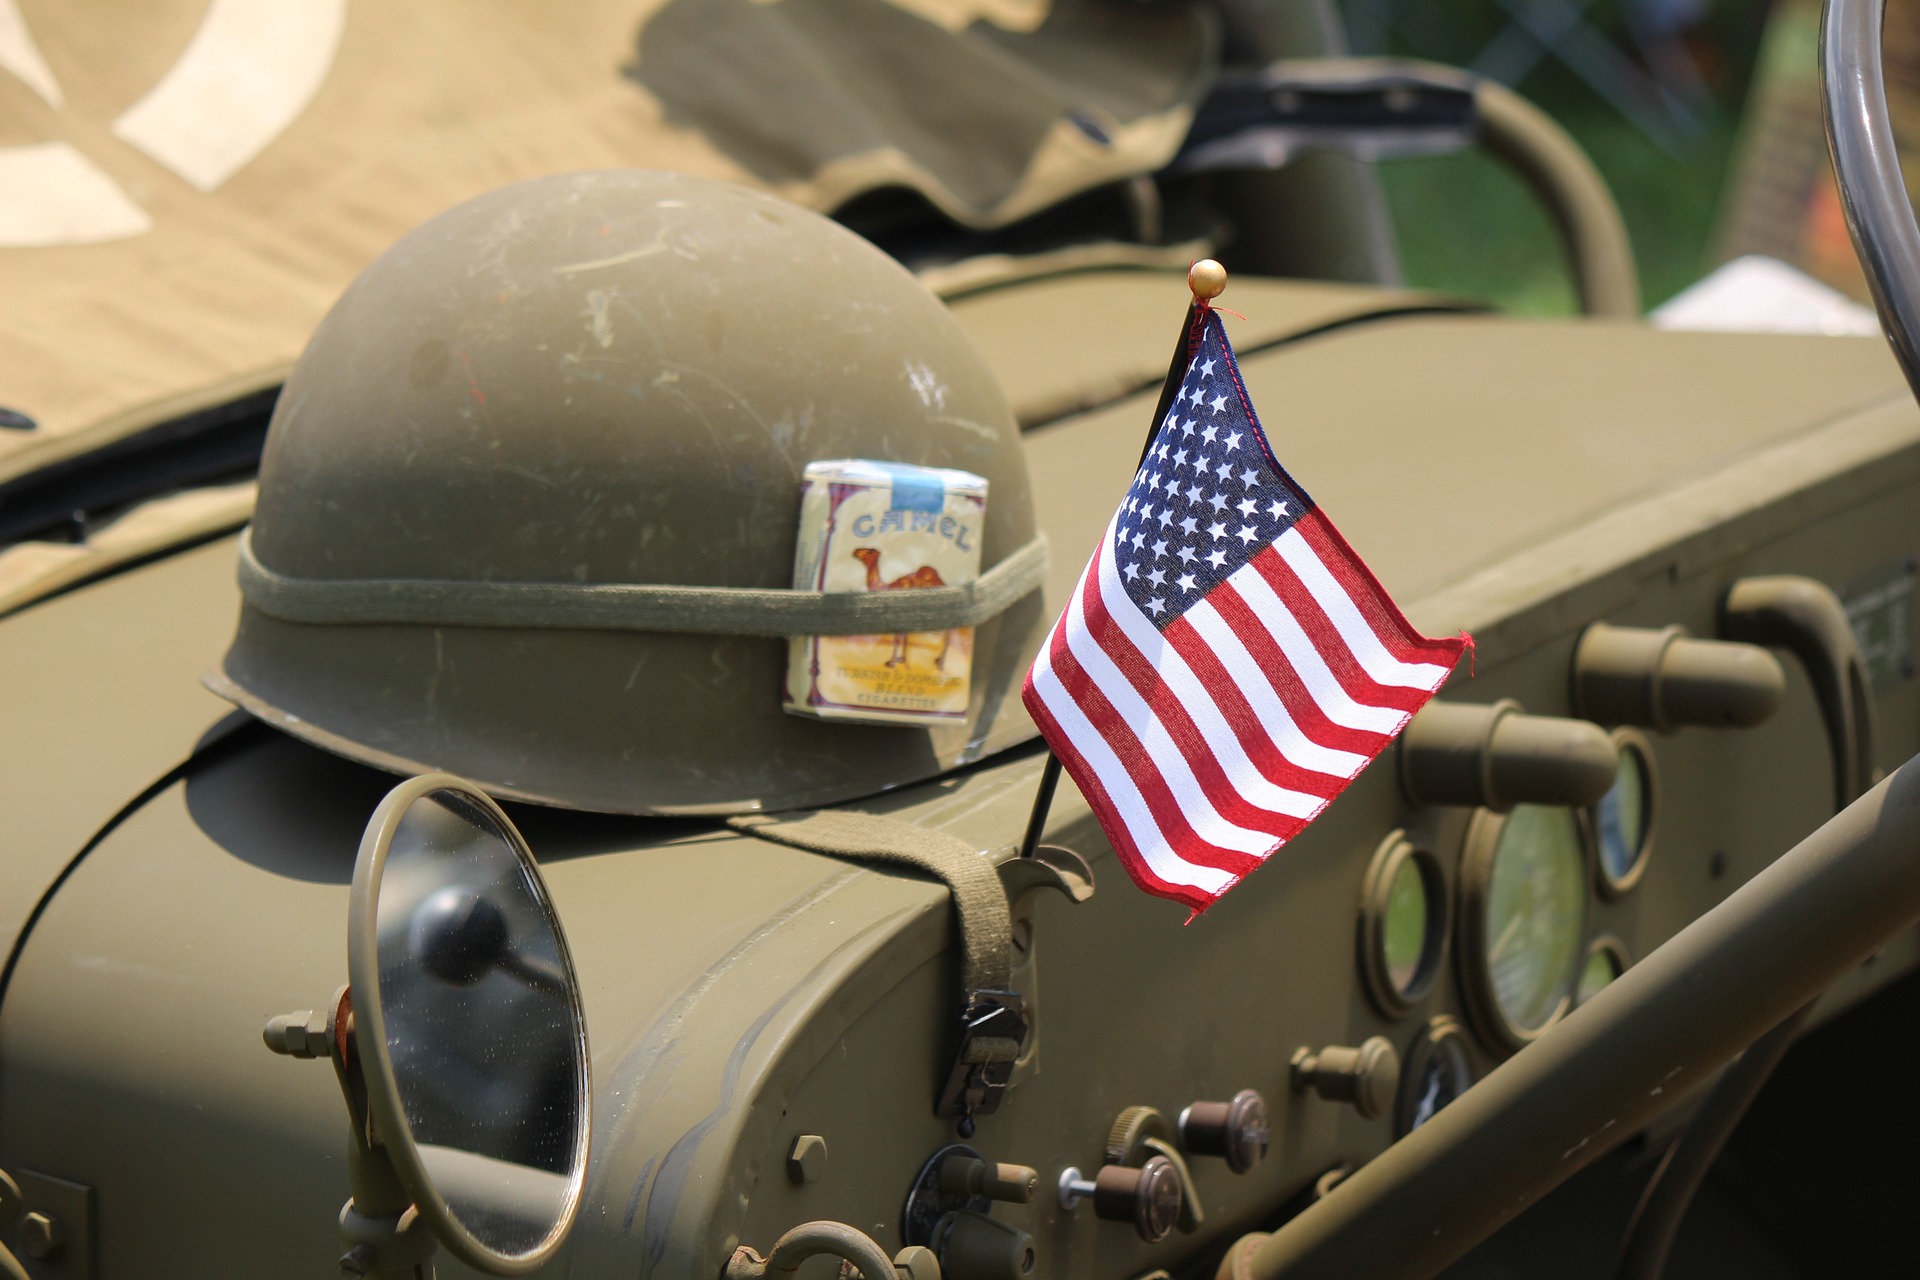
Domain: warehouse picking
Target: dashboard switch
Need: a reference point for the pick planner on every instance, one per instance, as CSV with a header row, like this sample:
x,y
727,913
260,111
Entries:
x,y
1368,1077
1236,1130
969,1176
1149,1197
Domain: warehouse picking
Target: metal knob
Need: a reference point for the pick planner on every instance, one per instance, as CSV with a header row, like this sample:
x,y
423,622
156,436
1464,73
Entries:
x,y
1148,1197
1368,1076
1235,1130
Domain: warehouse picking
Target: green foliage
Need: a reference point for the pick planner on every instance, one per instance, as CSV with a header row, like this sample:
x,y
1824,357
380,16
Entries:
x,y
1466,226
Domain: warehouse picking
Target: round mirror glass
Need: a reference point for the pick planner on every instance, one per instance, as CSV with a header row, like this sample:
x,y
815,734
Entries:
x,y
477,1061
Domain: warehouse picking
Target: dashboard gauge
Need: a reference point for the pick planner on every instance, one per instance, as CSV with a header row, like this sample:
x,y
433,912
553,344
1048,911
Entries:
x,y
1606,960
1623,819
1403,924
1438,1070
1523,886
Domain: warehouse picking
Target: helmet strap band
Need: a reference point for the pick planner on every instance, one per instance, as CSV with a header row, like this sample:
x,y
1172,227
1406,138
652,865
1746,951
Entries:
x,y
736,611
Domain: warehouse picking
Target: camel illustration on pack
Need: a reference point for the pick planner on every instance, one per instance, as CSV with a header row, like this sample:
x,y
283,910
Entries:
x,y
924,576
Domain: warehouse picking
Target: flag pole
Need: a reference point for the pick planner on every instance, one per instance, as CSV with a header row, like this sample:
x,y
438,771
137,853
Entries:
x,y
1207,279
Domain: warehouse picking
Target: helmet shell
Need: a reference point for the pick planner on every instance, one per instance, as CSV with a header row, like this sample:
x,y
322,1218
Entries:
x,y
612,377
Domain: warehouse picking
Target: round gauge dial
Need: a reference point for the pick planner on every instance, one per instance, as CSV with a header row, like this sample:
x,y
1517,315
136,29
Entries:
x,y
1403,924
1439,1069
1623,819
1527,908
1606,960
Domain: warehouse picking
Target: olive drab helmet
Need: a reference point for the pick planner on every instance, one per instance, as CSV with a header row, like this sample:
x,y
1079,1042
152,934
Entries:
x,y
529,501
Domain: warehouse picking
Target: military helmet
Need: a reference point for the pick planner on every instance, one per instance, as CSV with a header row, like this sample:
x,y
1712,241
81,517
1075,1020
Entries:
x,y
529,500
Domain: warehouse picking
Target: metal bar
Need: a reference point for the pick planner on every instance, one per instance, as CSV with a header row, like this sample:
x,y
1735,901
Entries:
x,y
1548,160
1655,1224
1050,774
1642,1043
1042,801
1860,133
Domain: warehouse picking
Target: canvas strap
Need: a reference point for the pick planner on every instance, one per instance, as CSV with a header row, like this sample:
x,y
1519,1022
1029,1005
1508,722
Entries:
x,y
979,900
736,611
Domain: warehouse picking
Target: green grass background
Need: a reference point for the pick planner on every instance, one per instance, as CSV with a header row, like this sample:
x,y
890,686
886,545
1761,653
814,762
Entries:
x,y
1466,225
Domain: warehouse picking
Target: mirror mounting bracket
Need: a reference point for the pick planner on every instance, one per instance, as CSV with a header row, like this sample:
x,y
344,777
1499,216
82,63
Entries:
x,y
381,1228
399,1245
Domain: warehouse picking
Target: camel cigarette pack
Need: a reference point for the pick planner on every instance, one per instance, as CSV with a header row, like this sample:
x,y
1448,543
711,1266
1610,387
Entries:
x,y
885,526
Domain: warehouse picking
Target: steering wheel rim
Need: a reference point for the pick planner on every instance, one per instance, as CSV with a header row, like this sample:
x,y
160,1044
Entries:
x,y
1866,164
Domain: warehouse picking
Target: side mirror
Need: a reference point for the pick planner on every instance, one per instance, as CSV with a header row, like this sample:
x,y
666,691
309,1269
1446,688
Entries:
x,y
459,1042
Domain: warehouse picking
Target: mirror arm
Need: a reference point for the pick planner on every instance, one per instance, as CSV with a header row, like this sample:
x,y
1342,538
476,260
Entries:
x,y
385,1237
392,1247
1634,1049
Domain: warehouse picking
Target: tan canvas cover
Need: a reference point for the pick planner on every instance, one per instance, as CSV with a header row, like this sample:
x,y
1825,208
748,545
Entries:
x,y
186,185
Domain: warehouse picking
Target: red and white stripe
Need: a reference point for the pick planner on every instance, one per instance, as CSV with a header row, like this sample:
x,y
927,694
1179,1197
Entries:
x,y
1205,748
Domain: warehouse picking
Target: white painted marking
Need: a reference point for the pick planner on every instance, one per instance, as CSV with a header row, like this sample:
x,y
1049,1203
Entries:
x,y
20,55
51,194
249,71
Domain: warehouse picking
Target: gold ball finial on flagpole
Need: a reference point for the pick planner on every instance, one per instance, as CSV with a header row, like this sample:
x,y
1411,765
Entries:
x,y
1207,279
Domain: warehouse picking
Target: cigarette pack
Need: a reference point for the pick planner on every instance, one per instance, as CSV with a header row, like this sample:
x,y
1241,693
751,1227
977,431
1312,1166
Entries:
x,y
885,526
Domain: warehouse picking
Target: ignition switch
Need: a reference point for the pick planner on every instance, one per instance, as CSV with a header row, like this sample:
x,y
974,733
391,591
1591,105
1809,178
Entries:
x,y
1368,1076
1149,1196
972,1246
949,1210
1235,1130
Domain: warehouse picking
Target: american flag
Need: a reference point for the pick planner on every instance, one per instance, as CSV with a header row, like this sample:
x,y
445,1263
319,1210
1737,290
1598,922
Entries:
x,y
1227,664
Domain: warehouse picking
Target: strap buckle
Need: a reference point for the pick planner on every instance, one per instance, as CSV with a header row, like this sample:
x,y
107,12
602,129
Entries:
x,y
993,1031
